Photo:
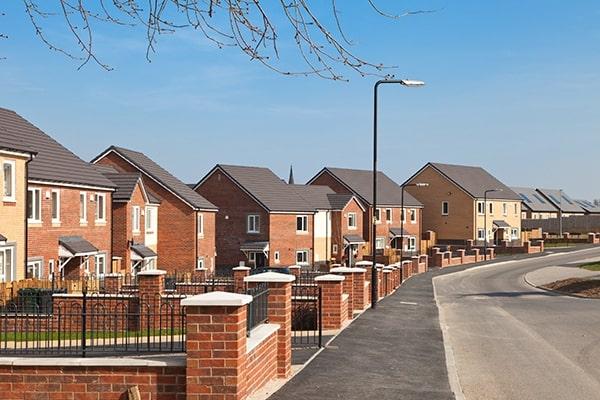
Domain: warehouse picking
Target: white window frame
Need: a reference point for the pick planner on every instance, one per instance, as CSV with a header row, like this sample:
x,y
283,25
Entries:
x,y
378,215
255,218
98,257
303,220
35,207
50,269
55,220
149,216
200,263
516,209
200,224
445,208
13,184
86,265
380,243
83,218
135,219
391,214
505,209
514,233
413,216
98,197
334,249
412,243
480,208
480,234
11,270
352,217
276,256
491,208
303,260
37,267
252,256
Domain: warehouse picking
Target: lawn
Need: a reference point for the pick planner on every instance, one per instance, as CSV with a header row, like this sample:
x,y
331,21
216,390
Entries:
x,y
594,266
558,245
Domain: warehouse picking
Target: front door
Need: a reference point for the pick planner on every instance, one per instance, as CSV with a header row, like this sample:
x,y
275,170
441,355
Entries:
x,y
260,260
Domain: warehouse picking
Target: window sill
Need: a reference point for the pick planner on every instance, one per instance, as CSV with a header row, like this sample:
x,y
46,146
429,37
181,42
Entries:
x,y
253,233
34,223
352,228
302,233
100,223
9,200
56,224
200,237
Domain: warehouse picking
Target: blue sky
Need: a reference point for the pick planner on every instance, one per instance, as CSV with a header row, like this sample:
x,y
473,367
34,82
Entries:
x,y
512,86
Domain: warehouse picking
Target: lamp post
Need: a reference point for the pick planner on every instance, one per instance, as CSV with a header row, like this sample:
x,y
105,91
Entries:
x,y
485,212
403,82
560,214
403,214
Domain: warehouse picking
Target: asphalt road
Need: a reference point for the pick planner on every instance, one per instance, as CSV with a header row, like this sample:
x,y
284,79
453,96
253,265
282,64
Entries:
x,y
512,341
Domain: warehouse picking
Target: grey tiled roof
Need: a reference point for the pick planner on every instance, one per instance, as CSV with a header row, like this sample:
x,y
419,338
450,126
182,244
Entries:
x,y
3,238
267,188
500,223
162,176
360,182
588,206
143,251
533,200
77,245
125,183
339,200
317,196
475,181
566,204
254,246
352,239
53,162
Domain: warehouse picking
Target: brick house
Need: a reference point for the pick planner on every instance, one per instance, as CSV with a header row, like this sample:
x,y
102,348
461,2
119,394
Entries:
x,y
135,222
389,212
565,205
186,222
14,159
455,208
534,205
68,207
261,220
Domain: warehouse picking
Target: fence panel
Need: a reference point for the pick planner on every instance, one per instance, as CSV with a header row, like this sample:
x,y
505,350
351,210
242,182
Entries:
x,y
306,316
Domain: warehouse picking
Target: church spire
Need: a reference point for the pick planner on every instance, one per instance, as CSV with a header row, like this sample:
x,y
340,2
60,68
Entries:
x,y
291,178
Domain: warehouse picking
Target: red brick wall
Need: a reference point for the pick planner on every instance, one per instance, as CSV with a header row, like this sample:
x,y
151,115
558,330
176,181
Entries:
x,y
339,222
231,221
42,240
176,225
285,239
261,364
90,383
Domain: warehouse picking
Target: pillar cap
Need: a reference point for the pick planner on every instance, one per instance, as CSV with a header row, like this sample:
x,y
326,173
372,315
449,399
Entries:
x,y
113,275
330,278
270,277
347,270
217,299
364,262
241,268
295,267
152,272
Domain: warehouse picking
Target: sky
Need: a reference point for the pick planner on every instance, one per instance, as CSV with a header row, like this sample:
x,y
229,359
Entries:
x,y
511,86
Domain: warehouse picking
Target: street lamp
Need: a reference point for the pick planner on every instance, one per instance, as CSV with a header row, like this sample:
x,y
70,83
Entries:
x,y
485,212
403,82
403,214
560,213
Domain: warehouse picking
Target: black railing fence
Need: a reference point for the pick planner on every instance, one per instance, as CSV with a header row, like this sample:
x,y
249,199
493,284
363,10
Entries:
x,y
306,316
198,283
258,309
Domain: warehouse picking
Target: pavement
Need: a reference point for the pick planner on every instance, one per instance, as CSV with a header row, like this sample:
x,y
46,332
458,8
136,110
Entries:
x,y
543,276
510,340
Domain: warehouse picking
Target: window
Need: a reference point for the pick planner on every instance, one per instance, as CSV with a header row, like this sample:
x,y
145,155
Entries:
x,y
55,197
445,208
7,264
302,257
100,262
86,265
149,219
200,263
252,257
51,269
335,249
504,209
83,208
480,234
514,233
491,208
276,256
253,224
388,215
135,218
151,264
403,215
480,208
101,207
8,168
380,243
412,243
351,220
35,269
302,223
200,223
34,205
413,216
516,209
377,215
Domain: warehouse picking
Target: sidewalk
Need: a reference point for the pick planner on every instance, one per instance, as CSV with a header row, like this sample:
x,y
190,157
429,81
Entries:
x,y
547,275
393,352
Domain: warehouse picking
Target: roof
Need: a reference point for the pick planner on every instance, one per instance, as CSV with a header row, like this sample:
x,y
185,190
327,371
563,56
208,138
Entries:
x,y
534,201
500,223
397,232
339,201
163,177
77,245
126,184
143,251
588,206
3,238
561,200
360,182
475,181
316,195
354,239
254,246
265,187
53,163
12,142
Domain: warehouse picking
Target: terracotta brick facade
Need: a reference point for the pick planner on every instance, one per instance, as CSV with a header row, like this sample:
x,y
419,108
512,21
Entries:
x,y
43,236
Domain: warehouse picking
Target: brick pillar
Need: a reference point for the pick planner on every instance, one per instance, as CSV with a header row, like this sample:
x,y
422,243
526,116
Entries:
x,y
469,244
280,312
333,311
239,273
358,297
296,270
476,253
216,346
388,273
461,254
151,284
380,287
112,283
348,286
491,254
415,264
591,238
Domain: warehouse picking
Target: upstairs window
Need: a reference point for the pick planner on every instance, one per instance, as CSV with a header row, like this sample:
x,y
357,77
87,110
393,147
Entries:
x,y
491,208
302,223
504,209
135,219
388,215
413,216
55,199
377,215
83,207
253,225
8,168
445,208
351,220
101,207
34,205
149,219
200,224
480,208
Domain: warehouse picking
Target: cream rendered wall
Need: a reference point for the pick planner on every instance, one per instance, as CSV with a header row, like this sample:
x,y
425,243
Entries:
x,y
151,237
322,235
512,217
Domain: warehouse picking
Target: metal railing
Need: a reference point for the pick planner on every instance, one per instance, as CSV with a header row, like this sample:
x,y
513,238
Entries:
x,y
198,283
258,309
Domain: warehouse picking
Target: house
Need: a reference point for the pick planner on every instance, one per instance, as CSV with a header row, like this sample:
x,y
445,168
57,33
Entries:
x,y
14,159
588,206
455,208
534,205
186,222
559,199
135,222
68,207
261,220
389,213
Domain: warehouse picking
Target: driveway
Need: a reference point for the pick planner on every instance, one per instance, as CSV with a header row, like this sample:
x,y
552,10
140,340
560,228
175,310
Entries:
x,y
512,341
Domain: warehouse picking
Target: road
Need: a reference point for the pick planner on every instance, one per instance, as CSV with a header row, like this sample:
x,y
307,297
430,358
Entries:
x,y
512,341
